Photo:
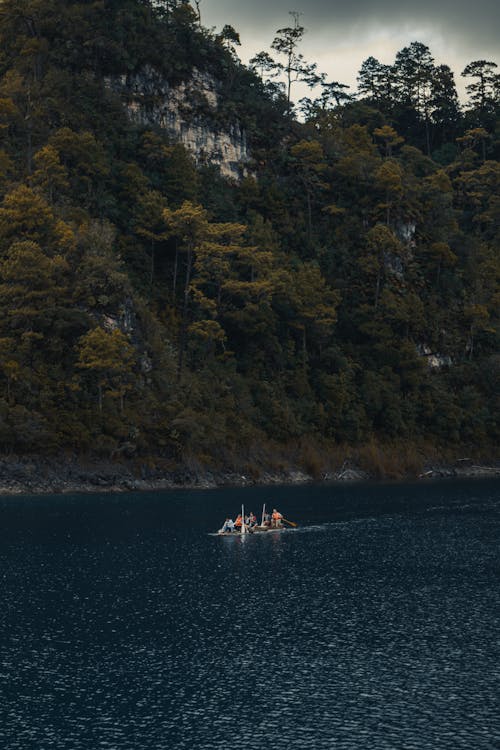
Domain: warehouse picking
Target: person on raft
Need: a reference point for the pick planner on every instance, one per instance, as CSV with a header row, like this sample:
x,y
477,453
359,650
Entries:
x,y
228,525
276,519
239,522
251,520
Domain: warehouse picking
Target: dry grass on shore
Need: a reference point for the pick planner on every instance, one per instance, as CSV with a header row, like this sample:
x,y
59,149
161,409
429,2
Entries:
x,y
319,458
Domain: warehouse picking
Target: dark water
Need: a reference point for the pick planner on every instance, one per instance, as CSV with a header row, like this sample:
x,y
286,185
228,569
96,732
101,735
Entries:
x,y
125,625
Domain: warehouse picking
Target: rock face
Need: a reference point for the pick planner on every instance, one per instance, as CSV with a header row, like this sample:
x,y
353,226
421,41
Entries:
x,y
188,113
406,233
435,361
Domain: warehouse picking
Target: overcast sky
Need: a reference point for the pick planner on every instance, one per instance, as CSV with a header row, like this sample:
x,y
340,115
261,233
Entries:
x,y
340,35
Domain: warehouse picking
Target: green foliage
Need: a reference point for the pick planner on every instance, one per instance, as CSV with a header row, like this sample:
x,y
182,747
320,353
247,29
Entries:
x,y
345,290
109,358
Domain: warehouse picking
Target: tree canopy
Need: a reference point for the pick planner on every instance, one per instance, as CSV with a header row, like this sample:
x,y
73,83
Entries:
x,y
345,290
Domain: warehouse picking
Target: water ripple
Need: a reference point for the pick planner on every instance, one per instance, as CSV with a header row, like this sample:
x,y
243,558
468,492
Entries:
x,y
125,627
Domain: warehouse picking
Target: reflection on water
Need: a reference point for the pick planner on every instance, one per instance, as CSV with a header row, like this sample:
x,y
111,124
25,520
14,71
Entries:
x,y
125,624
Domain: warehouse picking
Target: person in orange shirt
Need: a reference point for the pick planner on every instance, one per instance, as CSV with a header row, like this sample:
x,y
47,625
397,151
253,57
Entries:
x,y
276,519
238,522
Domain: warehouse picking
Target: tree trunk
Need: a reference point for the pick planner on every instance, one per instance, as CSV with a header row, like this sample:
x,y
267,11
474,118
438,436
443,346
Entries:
x,y
427,135
309,217
29,135
185,306
377,288
176,263
152,266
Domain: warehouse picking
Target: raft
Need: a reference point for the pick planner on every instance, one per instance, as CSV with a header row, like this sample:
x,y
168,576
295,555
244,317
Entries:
x,y
253,530
260,529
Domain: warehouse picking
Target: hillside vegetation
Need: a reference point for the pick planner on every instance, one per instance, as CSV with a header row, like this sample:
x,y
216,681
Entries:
x,y
341,299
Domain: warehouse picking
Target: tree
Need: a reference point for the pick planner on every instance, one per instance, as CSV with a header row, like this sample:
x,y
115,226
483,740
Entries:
x,y
31,283
389,179
50,174
315,306
286,43
226,283
381,244
10,363
438,221
199,240
149,223
6,169
26,112
482,92
334,93
25,214
101,281
9,115
229,38
479,191
263,64
478,319
188,224
444,106
443,256
179,180
389,138
475,137
376,82
414,69
34,289
85,161
110,358
309,162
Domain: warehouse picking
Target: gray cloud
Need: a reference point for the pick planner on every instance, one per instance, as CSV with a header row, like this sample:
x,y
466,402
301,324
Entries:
x,y
471,26
340,34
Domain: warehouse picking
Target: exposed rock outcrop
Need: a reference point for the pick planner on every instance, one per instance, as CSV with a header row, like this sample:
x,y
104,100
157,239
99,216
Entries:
x,y
188,113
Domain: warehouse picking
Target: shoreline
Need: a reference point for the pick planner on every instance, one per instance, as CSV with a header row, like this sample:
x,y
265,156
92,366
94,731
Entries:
x,y
40,476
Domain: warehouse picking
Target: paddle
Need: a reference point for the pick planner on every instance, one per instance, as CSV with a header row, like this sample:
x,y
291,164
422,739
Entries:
x,y
290,522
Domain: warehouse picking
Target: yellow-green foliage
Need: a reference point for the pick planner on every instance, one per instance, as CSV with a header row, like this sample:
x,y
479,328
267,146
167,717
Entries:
x,y
339,303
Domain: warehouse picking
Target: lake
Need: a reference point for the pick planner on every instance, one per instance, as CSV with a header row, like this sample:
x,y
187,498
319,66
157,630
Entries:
x,y
373,626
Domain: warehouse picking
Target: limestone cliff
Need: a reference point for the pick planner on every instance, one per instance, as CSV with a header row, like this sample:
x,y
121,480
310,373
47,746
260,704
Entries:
x,y
189,113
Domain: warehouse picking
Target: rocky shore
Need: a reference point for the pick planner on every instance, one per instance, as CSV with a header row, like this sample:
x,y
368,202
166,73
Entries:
x,y
37,475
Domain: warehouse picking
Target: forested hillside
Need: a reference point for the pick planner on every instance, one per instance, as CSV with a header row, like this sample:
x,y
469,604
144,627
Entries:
x,y
340,298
